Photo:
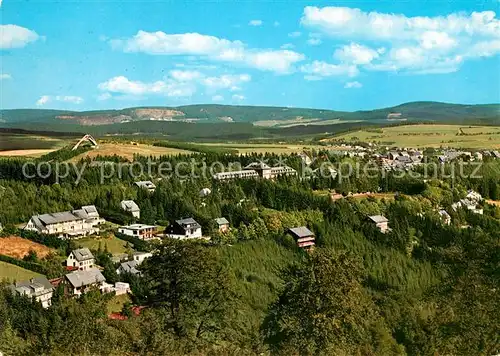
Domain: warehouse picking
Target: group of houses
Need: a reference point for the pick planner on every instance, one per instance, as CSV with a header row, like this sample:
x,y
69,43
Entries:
x,y
470,202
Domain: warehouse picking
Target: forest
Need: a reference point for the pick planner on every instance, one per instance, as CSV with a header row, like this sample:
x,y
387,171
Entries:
x,y
423,288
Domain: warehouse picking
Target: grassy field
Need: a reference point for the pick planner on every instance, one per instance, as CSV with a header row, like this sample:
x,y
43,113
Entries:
x,y
12,272
300,121
430,136
127,150
18,247
115,245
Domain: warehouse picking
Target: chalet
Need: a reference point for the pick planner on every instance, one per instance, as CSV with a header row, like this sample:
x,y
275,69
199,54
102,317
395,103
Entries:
x,y
131,207
81,281
303,237
141,231
222,224
81,258
380,222
184,229
495,154
468,204
445,217
67,224
474,196
38,288
146,184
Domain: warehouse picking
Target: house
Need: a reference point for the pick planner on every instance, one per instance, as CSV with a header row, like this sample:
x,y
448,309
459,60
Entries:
x,y
81,258
469,204
146,184
303,237
478,156
495,154
129,267
474,196
445,217
205,192
262,169
380,222
39,288
141,231
184,229
67,224
141,256
305,159
131,207
81,281
222,224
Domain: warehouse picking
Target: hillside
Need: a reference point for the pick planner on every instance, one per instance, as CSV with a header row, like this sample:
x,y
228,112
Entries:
x,y
267,115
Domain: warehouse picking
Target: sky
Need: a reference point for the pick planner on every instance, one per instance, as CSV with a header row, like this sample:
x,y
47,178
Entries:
x,y
340,55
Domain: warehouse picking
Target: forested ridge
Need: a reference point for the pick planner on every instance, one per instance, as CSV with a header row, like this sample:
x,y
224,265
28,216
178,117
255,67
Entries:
x,y
423,288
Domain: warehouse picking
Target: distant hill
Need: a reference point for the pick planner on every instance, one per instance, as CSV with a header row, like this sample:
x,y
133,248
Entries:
x,y
259,115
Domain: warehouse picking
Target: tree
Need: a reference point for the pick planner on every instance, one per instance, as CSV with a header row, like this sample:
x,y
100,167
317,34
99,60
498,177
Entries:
x,y
323,308
188,282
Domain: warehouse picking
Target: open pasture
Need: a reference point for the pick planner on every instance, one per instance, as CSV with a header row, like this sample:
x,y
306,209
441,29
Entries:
x,y
457,136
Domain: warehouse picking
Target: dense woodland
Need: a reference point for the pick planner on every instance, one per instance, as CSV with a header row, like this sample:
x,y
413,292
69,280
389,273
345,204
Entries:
x,y
424,288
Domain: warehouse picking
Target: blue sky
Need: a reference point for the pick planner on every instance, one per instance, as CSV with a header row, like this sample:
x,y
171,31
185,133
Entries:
x,y
349,55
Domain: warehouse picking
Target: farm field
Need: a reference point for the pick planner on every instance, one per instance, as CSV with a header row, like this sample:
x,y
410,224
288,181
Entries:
x,y
12,272
265,148
114,244
28,145
456,136
300,121
17,247
127,150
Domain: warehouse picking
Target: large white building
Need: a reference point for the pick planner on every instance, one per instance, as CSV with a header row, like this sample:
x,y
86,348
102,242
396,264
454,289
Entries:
x,y
256,170
67,224
184,229
81,258
141,231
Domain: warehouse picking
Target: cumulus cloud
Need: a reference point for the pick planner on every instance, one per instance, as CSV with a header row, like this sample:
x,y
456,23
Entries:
x,y
314,41
13,36
209,47
178,83
318,70
4,76
255,23
295,34
353,85
412,44
44,99
356,54
217,98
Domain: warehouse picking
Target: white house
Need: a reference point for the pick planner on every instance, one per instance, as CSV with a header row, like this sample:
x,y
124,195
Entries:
x,y
67,224
131,266
146,184
80,281
184,229
131,207
381,222
81,258
141,231
445,216
38,288
141,256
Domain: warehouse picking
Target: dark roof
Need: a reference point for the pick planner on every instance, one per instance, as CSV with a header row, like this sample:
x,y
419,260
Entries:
x,y
301,231
85,278
82,254
33,287
188,221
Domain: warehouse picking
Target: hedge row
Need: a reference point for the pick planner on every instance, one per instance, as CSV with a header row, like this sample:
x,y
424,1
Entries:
x,y
139,245
32,266
47,240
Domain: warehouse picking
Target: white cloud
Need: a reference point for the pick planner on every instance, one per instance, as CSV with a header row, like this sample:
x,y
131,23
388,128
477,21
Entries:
x,y
210,47
319,69
287,46
44,99
414,44
104,96
178,83
255,23
276,24
13,36
217,98
356,54
314,41
295,34
4,76
353,85
238,97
